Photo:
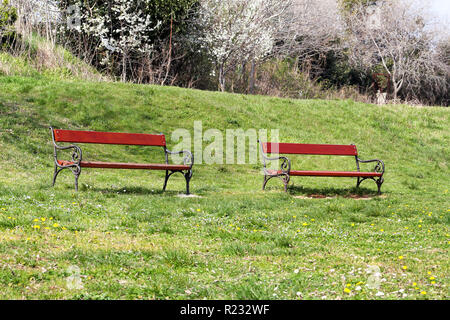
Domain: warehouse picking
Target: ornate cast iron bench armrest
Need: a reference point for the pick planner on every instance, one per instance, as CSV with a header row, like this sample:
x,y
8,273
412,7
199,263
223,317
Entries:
x,y
77,154
74,165
379,167
285,166
283,173
188,158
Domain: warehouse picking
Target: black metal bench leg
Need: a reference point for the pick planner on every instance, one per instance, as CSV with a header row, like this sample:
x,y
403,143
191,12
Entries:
x,y
165,180
55,175
265,182
358,182
379,183
286,182
76,173
188,176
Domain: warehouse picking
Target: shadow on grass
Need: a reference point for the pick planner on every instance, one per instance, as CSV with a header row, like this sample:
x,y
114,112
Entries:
x,y
318,193
131,190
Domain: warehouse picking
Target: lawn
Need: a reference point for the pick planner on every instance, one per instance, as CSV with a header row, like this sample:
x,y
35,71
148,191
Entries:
x,y
120,237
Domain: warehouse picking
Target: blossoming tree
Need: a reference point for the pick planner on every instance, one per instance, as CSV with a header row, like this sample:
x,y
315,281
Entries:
x,y
121,27
233,31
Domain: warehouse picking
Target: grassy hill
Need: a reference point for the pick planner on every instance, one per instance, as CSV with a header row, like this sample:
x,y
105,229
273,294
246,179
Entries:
x,y
233,241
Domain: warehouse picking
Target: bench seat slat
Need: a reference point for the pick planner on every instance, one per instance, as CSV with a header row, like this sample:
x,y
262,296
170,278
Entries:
x,y
118,165
139,139
329,173
312,149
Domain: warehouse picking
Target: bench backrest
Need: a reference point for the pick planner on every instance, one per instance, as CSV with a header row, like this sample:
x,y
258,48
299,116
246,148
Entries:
x,y
302,148
136,139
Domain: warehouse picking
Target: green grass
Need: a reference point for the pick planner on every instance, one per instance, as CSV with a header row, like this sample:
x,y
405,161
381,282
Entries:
x,y
40,58
131,241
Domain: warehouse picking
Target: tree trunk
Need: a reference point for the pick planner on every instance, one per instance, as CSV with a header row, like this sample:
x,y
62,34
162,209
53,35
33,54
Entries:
x,y
124,67
221,78
252,77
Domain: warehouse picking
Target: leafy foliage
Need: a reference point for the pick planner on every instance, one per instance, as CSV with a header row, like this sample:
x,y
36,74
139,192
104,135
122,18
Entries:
x,y
8,17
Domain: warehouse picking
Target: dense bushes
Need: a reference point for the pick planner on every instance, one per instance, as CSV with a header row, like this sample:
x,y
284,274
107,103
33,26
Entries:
x,y
8,17
289,48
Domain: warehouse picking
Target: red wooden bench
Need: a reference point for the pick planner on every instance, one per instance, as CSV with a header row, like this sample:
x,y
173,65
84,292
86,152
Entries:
x,y
285,171
115,138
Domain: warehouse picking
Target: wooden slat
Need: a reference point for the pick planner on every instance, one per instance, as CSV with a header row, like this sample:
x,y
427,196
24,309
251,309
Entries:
x,y
318,149
139,139
118,165
330,173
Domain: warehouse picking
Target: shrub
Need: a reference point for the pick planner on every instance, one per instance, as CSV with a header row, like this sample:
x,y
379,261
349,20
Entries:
x,y
8,16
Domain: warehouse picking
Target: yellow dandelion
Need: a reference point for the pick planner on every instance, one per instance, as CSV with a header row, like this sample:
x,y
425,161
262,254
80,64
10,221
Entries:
x,y
429,272
352,224
198,210
414,284
423,292
404,267
36,227
43,219
432,278
55,225
433,282
313,220
35,220
400,257
294,217
347,290
64,228
304,224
